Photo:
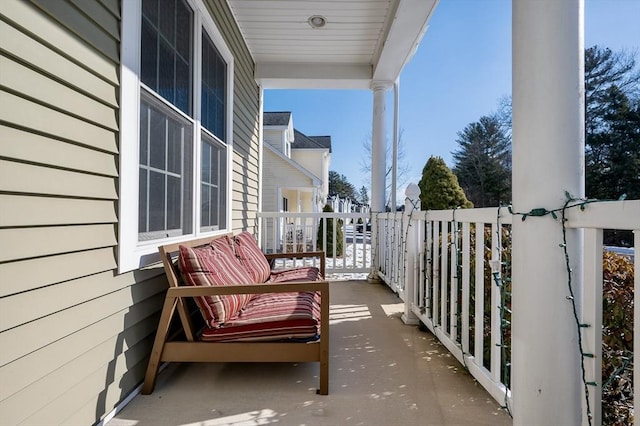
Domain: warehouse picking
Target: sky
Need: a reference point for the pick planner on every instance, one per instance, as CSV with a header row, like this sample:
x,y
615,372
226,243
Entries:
x,y
459,73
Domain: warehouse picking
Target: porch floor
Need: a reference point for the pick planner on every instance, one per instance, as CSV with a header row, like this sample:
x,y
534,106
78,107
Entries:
x,y
382,372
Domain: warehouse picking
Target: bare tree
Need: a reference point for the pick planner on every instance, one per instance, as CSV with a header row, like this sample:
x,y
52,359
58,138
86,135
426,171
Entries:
x,y
402,174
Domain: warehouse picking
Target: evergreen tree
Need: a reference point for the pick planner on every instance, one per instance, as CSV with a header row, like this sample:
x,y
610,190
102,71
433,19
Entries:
x,y
603,69
613,148
339,185
439,188
363,196
339,234
483,162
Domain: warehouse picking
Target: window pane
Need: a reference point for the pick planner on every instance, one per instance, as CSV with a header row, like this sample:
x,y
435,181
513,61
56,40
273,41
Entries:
x,y
149,57
214,169
183,36
144,135
157,140
173,202
175,147
142,202
205,211
214,71
166,50
183,85
156,201
165,190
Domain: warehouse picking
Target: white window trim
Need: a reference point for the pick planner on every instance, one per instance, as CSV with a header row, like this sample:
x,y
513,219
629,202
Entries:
x,y
133,254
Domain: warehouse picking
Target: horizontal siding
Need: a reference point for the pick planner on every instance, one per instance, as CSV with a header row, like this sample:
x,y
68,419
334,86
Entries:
x,y
26,82
22,145
38,118
30,274
19,341
75,335
53,240
39,365
94,358
45,60
50,32
82,345
50,181
19,210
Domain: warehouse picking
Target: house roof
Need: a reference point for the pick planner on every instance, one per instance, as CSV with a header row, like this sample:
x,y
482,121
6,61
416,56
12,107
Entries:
x,y
303,141
356,43
278,118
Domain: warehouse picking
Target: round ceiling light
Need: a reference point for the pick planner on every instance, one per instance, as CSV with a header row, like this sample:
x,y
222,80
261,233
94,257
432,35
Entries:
x,y
317,21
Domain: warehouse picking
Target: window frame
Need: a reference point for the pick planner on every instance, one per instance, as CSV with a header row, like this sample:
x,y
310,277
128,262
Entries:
x,y
132,253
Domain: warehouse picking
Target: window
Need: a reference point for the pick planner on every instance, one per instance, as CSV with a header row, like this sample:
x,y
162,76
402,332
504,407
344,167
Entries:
x,y
176,124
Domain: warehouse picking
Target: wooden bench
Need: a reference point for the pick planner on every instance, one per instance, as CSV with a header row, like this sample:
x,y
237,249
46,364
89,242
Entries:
x,y
187,344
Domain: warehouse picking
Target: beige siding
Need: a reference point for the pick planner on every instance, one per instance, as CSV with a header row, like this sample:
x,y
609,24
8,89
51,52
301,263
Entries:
x,y
75,335
277,173
246,110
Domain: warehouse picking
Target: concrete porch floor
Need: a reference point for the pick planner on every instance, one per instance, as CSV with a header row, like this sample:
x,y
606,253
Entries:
x,y
382,372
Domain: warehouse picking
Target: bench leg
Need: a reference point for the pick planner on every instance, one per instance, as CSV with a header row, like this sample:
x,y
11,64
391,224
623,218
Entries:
x,y
324,374
158,345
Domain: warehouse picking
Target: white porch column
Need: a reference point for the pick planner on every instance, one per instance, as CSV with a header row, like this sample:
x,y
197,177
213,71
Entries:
x,y
411,204
378,148
548,159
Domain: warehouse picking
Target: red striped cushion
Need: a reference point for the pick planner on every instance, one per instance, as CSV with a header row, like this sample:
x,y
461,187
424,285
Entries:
x,y
213,265
273,316
251,257
305,273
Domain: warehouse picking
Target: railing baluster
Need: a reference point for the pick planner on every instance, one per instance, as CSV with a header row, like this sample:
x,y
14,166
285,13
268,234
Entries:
x,y
444,254
496,329
435,280
479,287
453,313
466,270
592,316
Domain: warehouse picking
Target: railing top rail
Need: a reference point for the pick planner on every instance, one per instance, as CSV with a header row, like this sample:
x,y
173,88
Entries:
x,y
483,215
312,215
606,215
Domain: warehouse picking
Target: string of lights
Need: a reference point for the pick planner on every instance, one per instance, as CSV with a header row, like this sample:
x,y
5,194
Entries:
x,y
570,203
502,308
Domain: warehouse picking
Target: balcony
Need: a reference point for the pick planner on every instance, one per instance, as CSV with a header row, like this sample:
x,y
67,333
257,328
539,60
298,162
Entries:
x,y
382,372
434,344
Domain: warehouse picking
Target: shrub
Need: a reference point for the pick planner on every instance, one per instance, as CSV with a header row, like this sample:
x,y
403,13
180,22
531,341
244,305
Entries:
x,y
339,234
617,340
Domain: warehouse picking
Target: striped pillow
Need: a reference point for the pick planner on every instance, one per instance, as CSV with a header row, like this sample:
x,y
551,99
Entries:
x,y
251,257
213,265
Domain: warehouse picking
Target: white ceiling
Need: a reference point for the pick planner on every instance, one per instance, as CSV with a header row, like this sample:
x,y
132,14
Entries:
x,y
363,41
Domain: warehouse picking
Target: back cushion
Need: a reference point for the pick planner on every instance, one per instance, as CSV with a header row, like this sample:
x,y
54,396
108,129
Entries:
x,y
215,265
251,257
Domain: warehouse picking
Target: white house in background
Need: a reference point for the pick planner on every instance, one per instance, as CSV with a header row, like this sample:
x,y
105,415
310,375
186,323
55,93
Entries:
x,y
295,173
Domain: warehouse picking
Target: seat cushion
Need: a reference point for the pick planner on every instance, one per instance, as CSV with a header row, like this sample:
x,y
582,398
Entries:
x,y
215,265
251,257
272,317
304,273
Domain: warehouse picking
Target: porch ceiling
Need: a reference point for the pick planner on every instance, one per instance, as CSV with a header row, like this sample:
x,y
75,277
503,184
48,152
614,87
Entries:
x,y
363,41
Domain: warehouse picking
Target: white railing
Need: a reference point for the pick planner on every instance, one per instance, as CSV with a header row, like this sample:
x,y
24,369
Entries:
x,y
302,232
453,269
389,255
594,219
454,292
